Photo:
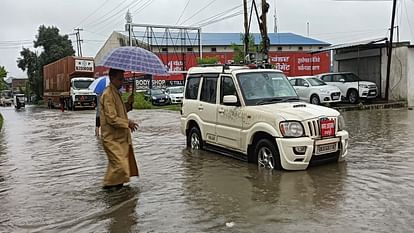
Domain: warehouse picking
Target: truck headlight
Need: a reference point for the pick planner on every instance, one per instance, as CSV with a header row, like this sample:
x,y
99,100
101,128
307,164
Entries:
x,y
341,123
363,86
291,129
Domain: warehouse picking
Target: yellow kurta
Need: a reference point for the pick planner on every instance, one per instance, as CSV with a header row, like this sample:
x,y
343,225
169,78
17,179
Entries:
x,y
116,138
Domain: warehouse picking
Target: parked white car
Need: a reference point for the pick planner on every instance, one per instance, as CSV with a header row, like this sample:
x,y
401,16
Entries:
x,y
255,115
175,94
314,90
351,86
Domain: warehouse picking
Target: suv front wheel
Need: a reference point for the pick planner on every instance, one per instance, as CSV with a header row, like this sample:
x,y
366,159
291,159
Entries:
x,y
267,154
353,96
194,140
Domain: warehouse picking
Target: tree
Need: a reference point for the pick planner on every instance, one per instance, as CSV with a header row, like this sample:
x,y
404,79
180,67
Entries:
x,y
54,46
3,74
238,56
208,60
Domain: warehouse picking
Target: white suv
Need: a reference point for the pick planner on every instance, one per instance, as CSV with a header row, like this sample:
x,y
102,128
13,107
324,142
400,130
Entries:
x,y
255,115
351,86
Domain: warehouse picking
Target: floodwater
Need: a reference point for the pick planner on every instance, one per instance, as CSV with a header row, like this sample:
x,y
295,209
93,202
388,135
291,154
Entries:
x,y
52,165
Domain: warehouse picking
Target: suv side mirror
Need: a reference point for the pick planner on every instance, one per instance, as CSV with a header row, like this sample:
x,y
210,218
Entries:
x,y
342,80
306,84
230,100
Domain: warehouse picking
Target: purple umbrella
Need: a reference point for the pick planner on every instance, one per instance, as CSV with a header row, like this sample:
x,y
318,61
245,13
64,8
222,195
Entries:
x,y
134,59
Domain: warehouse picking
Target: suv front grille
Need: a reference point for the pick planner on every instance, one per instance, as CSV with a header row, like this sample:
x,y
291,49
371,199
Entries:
x,y
312,127
372,86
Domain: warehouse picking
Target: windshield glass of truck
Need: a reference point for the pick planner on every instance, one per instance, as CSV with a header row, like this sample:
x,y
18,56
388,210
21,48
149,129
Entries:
x,y
265,88
81,84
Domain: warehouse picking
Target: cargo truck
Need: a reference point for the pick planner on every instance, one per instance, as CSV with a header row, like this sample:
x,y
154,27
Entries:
x,y
66,82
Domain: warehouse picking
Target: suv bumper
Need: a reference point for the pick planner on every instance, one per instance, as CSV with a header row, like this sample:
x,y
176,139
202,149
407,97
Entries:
x,y
290,160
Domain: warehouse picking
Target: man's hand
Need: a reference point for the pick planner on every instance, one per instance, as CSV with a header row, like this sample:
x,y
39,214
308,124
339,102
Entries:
x,y
132,126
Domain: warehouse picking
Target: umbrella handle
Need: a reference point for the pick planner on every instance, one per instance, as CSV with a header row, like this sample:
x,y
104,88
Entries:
x,y
133,86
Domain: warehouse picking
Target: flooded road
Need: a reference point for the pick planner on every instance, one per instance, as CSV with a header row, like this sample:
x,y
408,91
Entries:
x,y
52,166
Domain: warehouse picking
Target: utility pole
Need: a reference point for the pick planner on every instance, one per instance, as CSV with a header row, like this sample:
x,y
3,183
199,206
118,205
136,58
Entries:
x,y
79,41
246,30
387,84
263,30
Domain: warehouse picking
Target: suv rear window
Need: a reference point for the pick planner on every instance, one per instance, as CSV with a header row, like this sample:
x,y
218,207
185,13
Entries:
x,y
191,91
209,90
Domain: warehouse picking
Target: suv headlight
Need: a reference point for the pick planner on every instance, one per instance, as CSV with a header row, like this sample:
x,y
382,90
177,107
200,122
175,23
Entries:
x,y
291,129
341,123
363,86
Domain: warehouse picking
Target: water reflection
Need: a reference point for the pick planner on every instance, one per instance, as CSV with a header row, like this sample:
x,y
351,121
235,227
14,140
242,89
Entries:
x,y
51,170
255,199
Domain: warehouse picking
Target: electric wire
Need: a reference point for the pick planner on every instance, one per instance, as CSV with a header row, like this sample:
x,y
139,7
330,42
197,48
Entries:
x,y
182,13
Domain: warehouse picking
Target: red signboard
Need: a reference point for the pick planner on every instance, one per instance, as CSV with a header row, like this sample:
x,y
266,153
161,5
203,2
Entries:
x,y
291,63
327,127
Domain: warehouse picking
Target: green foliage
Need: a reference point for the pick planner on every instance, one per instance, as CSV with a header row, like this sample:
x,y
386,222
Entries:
x,y
141,103
54,47
207,60
3,74
239,56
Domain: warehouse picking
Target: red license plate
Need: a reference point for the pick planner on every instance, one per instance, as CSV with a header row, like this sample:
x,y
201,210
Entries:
x,y
327,127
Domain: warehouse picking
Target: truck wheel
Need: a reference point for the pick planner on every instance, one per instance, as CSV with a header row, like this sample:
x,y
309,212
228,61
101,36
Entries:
x,y
267,154
194,140
315,99
353,96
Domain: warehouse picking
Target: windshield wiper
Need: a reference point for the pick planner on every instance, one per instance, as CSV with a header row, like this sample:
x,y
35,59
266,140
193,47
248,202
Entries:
x,y
268,101
291,99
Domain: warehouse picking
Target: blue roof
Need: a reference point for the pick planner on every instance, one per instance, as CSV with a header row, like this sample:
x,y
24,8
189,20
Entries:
x,y
223,39
275,39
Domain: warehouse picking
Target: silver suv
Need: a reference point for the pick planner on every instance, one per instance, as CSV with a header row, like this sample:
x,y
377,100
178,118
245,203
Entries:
x,y
255,115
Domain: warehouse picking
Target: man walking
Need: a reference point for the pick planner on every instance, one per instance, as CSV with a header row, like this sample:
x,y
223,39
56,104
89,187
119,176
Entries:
x,y
116,132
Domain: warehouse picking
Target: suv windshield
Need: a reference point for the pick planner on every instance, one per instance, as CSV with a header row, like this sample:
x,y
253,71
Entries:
x,y
81,84
265,88
316,82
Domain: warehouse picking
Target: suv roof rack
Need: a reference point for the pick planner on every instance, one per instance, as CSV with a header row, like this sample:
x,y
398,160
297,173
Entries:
x,y
225,66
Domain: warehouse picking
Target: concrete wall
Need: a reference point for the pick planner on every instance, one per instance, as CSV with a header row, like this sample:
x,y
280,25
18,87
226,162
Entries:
x,y
110,44
410,76
398,74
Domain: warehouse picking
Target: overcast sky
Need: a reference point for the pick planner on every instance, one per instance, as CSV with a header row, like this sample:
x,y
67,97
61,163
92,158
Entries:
x,y
331,21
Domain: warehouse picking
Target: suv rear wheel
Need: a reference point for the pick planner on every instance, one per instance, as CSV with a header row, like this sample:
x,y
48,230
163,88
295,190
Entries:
x,y
194,140
267,154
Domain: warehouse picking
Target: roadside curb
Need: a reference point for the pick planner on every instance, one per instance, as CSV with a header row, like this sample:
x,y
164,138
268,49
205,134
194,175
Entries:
x,y
400,104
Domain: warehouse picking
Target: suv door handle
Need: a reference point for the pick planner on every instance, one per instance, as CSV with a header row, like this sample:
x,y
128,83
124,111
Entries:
x,y
200,107
221,111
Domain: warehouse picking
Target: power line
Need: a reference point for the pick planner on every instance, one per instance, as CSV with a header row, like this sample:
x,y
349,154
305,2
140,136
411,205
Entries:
x,y
114,14
182,13
217,15
103,26
140,8
90,15
203,8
